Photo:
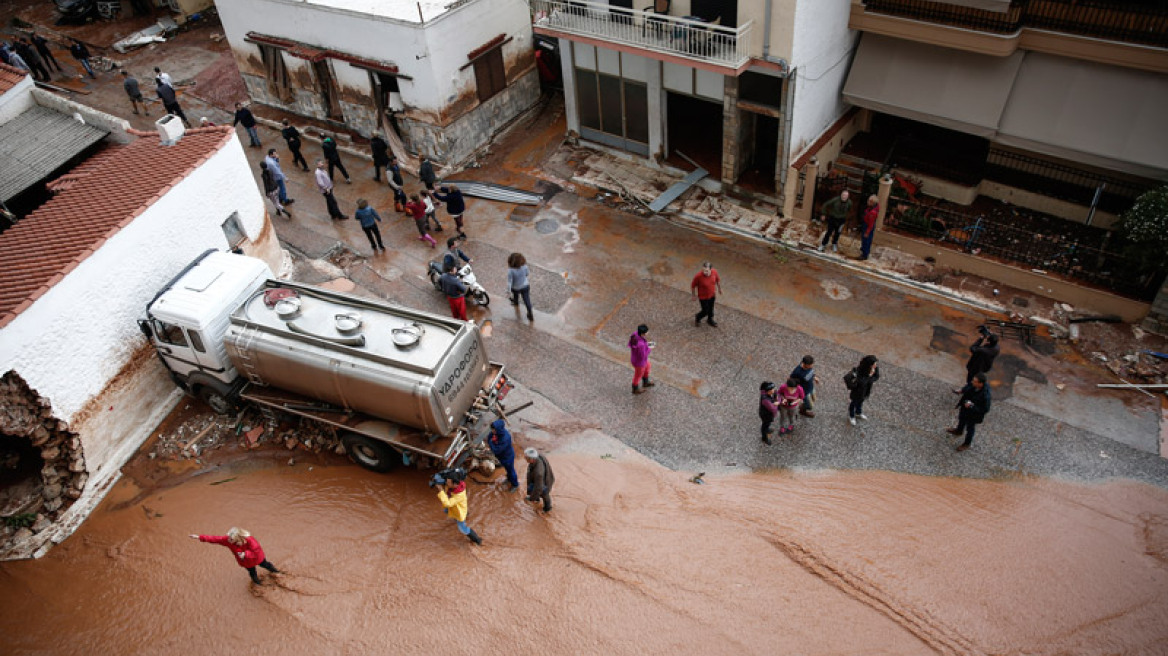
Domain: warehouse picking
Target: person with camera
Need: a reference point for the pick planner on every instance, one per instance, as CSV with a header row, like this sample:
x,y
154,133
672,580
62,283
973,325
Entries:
x,y
981,355
451,484
971,409
539,478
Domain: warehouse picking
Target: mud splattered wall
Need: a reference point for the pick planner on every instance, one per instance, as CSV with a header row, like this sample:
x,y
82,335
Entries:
x,y
442,113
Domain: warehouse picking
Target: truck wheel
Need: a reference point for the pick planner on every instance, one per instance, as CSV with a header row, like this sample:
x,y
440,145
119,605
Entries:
x,y
482,298
435,280
370,453
216,401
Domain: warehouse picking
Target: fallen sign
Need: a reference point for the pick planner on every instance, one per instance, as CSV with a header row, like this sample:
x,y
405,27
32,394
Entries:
x,y
156,33
491,191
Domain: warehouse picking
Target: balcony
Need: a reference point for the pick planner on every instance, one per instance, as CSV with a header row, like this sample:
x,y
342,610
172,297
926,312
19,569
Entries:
x,y
1127,21
660,34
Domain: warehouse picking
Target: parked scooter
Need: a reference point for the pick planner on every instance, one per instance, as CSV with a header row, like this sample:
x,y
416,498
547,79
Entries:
x,y
474,290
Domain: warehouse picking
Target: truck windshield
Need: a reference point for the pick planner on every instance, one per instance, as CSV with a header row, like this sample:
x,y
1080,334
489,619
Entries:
x,y
169,334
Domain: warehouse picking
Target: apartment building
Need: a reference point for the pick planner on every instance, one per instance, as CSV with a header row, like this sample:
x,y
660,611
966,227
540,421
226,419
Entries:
x,y
738,86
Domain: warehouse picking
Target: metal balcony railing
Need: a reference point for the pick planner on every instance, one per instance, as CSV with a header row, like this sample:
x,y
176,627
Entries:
x,y
683,37
1130,21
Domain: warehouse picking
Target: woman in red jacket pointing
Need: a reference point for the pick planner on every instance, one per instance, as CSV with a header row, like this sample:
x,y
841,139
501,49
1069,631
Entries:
x,y
248,552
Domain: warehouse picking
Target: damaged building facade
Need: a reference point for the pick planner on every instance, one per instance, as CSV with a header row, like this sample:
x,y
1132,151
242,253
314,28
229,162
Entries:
x,y
80,389
737,86
442,76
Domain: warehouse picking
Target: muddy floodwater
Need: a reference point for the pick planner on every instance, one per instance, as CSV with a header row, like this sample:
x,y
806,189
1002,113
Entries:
x,y
634,559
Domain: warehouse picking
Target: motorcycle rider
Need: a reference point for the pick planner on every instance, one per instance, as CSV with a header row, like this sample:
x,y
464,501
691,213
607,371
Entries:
x,y
453,255
455,291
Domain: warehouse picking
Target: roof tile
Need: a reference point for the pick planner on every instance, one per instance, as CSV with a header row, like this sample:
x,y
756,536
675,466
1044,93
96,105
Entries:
x,y
10,76
93,201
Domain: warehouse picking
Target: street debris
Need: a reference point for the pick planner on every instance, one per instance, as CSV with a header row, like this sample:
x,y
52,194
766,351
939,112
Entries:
x,y
156,33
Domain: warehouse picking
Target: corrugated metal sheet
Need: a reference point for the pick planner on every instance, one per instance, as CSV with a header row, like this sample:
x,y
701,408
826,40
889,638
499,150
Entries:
x,y
36,143
491,191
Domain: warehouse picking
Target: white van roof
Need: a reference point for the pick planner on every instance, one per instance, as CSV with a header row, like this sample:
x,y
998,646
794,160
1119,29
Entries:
x,y
209,289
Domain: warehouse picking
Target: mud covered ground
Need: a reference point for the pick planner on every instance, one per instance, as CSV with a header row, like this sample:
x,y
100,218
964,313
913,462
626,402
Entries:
x,y
634,558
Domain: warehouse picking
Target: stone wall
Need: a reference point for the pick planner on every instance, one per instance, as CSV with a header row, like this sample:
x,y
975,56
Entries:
x,y
474,129
28,416
731,127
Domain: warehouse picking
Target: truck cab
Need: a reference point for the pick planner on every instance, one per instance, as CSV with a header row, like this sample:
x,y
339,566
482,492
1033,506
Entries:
x,y
188,319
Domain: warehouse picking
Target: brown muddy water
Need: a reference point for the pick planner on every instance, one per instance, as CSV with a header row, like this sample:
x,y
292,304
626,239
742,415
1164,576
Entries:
x,y
633,559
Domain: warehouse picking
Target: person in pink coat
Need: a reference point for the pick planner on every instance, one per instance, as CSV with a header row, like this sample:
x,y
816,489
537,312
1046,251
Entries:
x,y
639,358
246,549
790,398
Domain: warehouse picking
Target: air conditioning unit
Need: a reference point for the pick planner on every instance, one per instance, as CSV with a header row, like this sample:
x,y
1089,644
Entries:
x,y
170,128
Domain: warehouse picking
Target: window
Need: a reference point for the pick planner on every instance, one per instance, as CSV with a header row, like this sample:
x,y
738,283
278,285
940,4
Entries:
x,y
196,341
490,78
233,230
279,84
169,334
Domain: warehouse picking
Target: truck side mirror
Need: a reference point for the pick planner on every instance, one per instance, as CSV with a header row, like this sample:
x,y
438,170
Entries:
x,y
144,326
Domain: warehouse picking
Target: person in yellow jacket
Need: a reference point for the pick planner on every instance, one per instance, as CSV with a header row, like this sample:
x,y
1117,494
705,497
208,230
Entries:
x,y
452,494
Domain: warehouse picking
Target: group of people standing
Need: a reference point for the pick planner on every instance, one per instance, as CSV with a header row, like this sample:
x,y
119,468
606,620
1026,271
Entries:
x,y
835,213
32,54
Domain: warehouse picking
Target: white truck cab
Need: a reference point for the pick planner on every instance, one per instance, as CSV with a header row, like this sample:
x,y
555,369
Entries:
x,y
188,318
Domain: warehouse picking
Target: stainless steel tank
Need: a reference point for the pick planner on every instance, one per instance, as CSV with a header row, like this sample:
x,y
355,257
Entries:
x,y
397,364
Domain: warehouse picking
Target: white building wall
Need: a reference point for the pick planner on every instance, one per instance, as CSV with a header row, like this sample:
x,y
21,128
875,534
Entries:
x,y
16,100
79,335
431,56
821,53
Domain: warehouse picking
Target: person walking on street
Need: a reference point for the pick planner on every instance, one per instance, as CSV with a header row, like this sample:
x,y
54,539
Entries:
x,y
35,65
271,189
835,212
292,138
859,383
639,348
804,373
517,276
394,177
452,495
273,161
426,173
130,84
704,286
380,150
455,205
325,184
243,115
455,290
42,46
539,478
159,76
170,102
329,146
971,408
428,202
246,549
81,54
981,355
369,218
500,442
416,209
870,214
790,397
768,408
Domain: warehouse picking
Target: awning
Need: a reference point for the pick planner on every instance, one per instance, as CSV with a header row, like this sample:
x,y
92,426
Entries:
x,y
1083,111
37,142
1000,6
951,88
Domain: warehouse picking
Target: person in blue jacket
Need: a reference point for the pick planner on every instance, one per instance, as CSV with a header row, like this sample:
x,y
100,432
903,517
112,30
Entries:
x,y
500,443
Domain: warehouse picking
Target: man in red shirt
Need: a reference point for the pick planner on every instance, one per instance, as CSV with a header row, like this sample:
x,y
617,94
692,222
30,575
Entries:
x,y
703,286
870,215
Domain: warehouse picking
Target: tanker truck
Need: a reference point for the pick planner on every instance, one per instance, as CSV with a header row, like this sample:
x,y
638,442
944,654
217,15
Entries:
x,y
398,386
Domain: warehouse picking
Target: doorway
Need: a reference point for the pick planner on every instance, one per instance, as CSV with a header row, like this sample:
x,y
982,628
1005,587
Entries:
x,y
759,173
330,97
695,129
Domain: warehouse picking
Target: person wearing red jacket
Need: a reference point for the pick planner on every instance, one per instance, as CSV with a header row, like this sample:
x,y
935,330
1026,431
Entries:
x,y
248,552
417,210
870,215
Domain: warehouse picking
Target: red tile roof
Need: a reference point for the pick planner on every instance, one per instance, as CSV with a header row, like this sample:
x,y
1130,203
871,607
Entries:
x,y
10,76
93,202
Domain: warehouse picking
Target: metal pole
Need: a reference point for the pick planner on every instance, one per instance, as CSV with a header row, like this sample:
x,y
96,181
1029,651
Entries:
x,y
1095,202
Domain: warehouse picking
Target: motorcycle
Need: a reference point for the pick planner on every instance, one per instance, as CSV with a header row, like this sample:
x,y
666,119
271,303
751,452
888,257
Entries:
x,y
474,290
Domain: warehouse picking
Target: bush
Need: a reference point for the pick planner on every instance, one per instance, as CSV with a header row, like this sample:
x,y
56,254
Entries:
x,y
1145,228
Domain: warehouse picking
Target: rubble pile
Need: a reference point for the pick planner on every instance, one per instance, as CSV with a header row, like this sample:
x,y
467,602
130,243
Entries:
x,y
1130,353
205,431
27,420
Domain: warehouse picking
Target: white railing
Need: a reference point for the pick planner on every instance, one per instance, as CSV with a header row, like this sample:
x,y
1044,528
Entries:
x,y
691,39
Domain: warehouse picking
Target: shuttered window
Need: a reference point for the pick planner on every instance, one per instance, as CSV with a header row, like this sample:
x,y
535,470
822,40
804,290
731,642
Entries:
x,y
490,78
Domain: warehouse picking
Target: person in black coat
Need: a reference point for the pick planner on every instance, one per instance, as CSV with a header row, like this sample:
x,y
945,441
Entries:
x,y
971,409
329,146
244,116
859,383
426,173
292,138
42,46
380,151
982,354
